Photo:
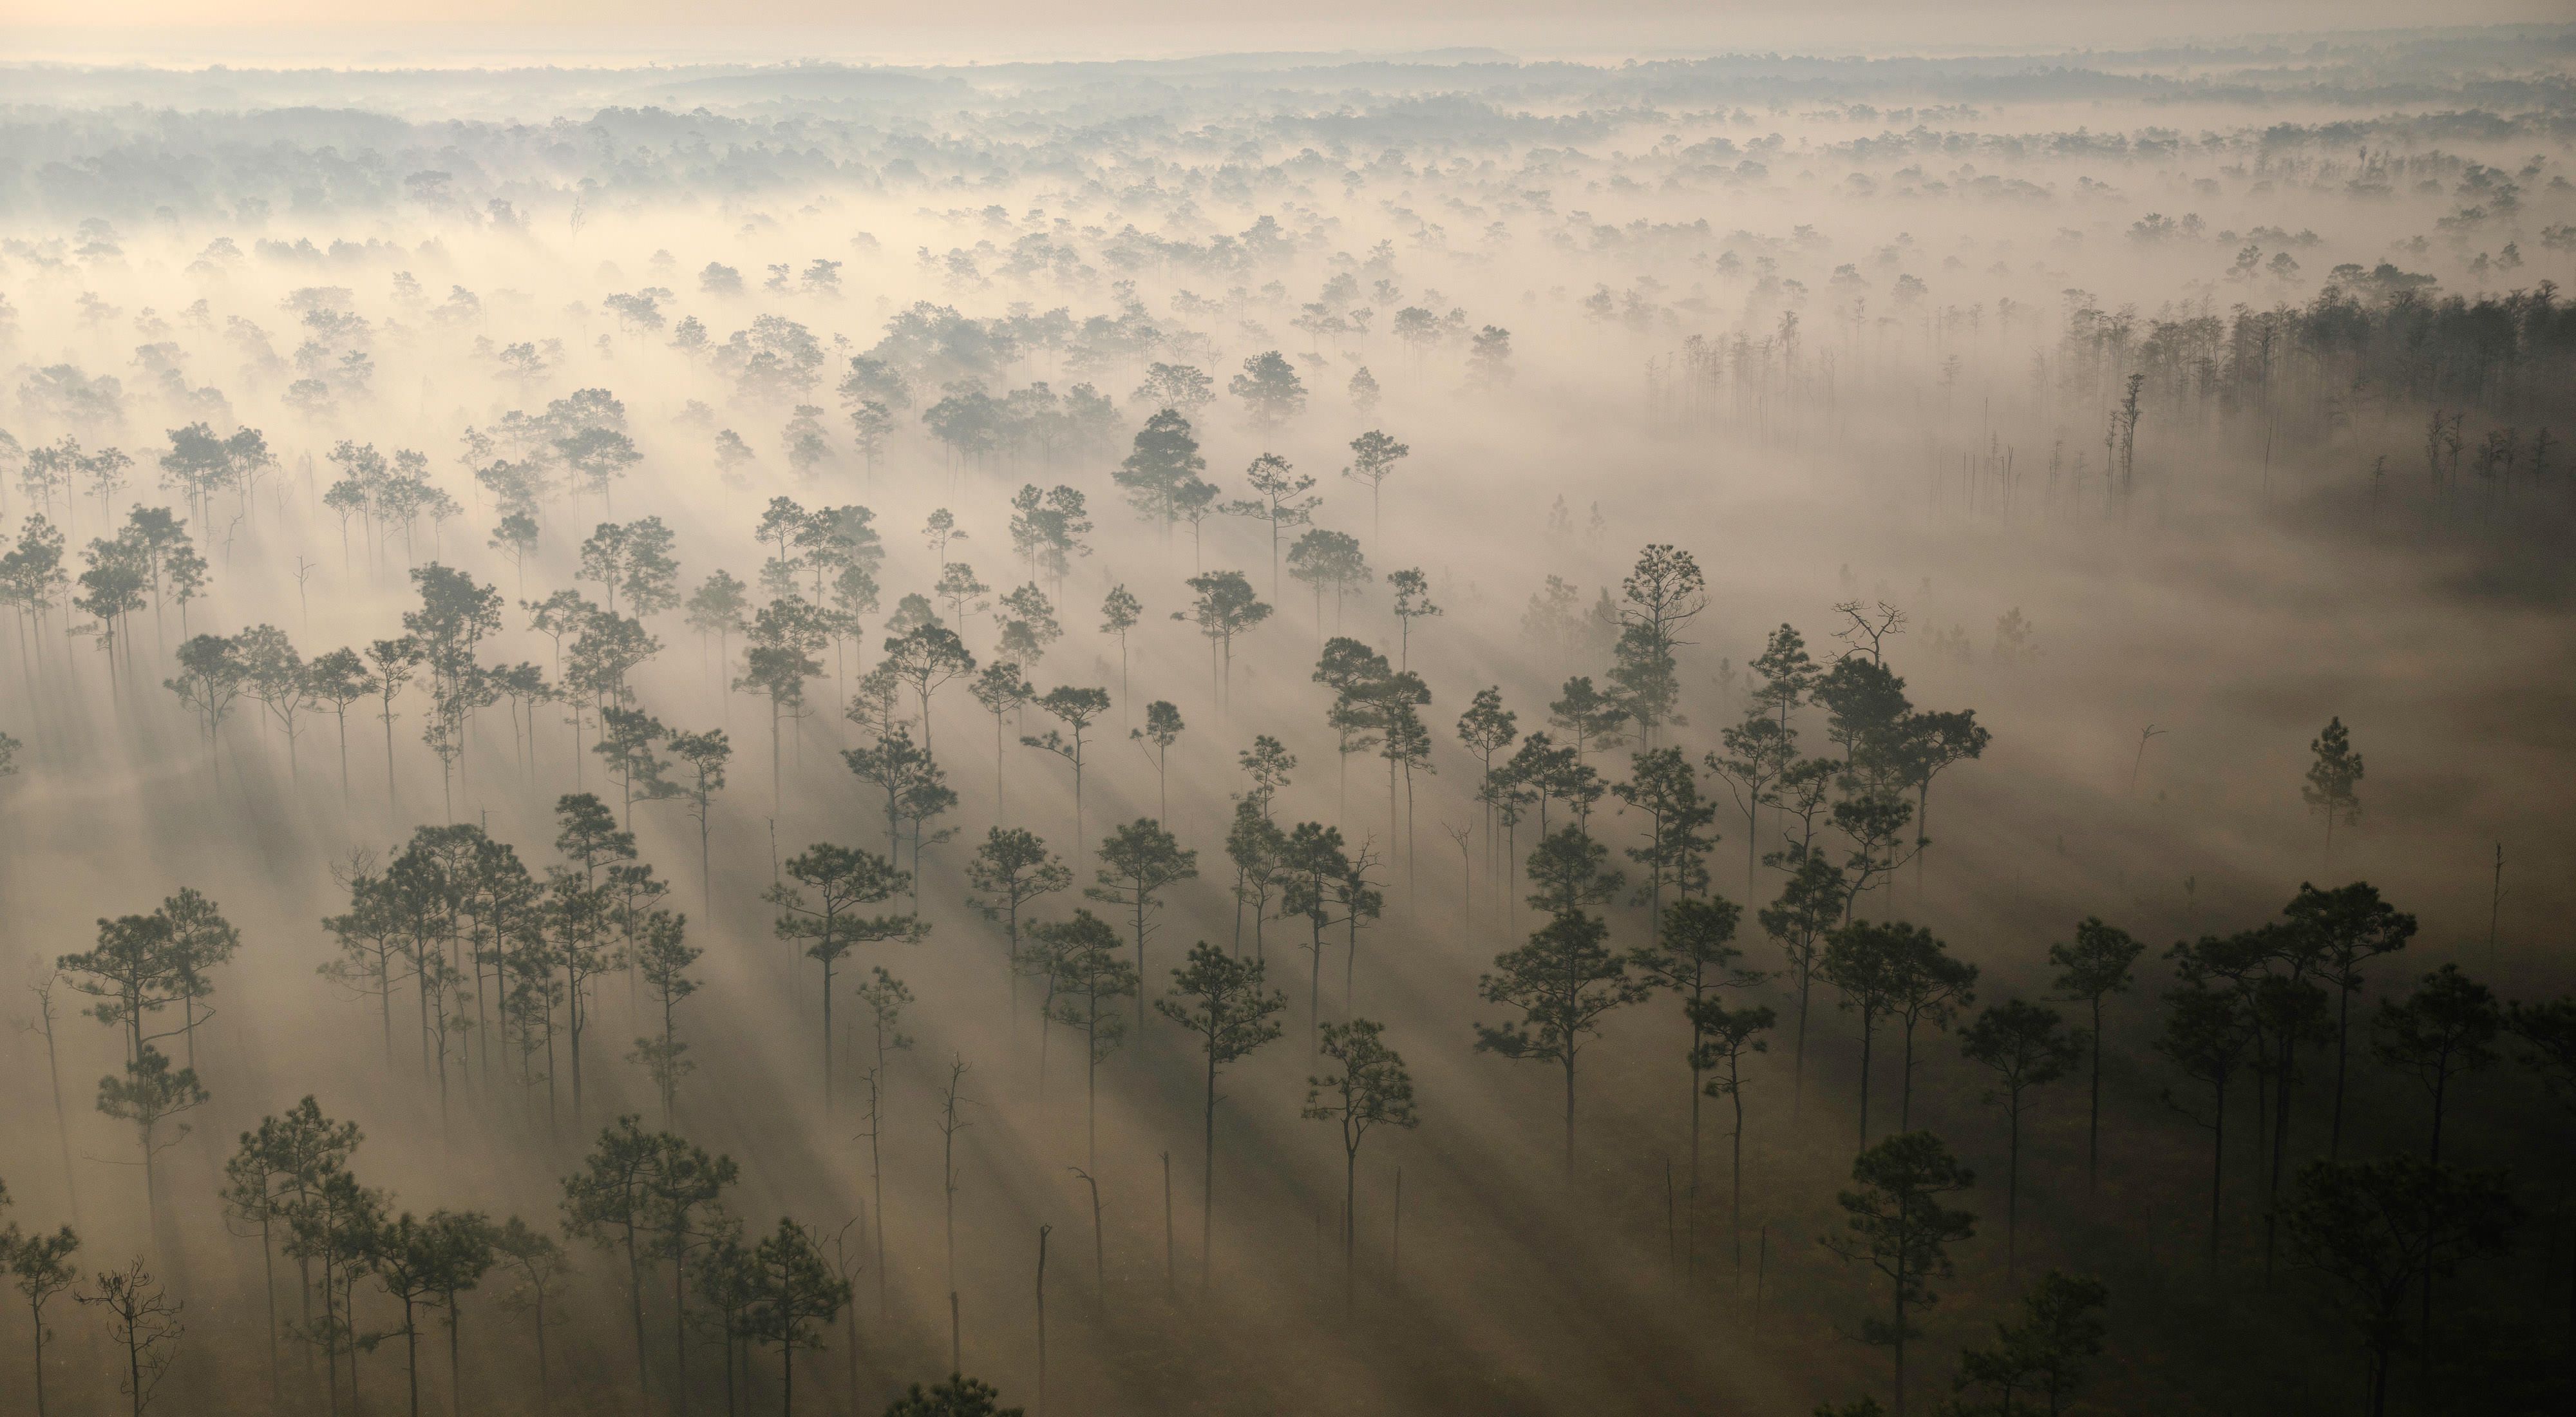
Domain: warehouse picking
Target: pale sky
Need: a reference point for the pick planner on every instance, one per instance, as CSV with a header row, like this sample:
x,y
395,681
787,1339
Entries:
x,y
899,29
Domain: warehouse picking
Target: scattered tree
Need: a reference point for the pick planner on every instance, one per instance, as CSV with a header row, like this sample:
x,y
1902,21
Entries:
x,y
1900,1227
1222,999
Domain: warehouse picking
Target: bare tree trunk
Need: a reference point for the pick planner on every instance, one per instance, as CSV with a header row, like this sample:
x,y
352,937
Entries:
x,y
1569,1113
1350,1224
1207,1184
2093,1107
1735,1212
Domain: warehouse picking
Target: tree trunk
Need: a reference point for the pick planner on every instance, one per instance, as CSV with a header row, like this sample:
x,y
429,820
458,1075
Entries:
x,y
2012,1185
1569,1111
1735,1212
2217,1163
1868,1029
1140,953
635,1301
268,1290
2343,1027
2280,1148
2424,1332
1350,1224
1207,1182
1905,1083
1798,1050
38,1315
1900,1338
679,1327
331,1339
1690,1221
2093,1109
1752,839
411,1357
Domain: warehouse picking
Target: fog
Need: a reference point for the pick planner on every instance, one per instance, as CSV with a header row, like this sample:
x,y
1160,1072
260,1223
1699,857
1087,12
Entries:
x,y
2163,406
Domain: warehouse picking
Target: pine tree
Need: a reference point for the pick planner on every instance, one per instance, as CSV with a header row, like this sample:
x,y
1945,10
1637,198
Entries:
x,y
2350,926
40,1265
1222,999
684,1199
1693,954
2049,1352
1373,459
2379,1229
1011,869
662,960
705,755
2208,1032
1371,1089
609,1202
2095,965
1662,787
1661,595
1565,981
2446,1028
537,1261
149,1095
1162,729
1927,985
1225,609
1086,979
842,881
1801,921
1899,1227
2025,1046
1076,709
1280,500
795,1294
2333,779
1726,1037
1137,862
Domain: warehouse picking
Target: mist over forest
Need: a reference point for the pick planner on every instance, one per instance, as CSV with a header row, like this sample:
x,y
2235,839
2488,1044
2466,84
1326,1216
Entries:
x,y
1276,733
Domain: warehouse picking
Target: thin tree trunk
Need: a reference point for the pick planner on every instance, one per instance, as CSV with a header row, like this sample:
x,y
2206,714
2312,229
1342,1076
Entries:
x,y
37,1314
1900,1338
268,1290
1569,1112
679,1322
2093,1109
1868,1029
2280,1148
1207,1182
1690,1221
2012,1188
1905,1083
2343,1027
455,1361
1798,1050
1735,1209
2217,1163
1041,1287
1350,1225
635,1301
